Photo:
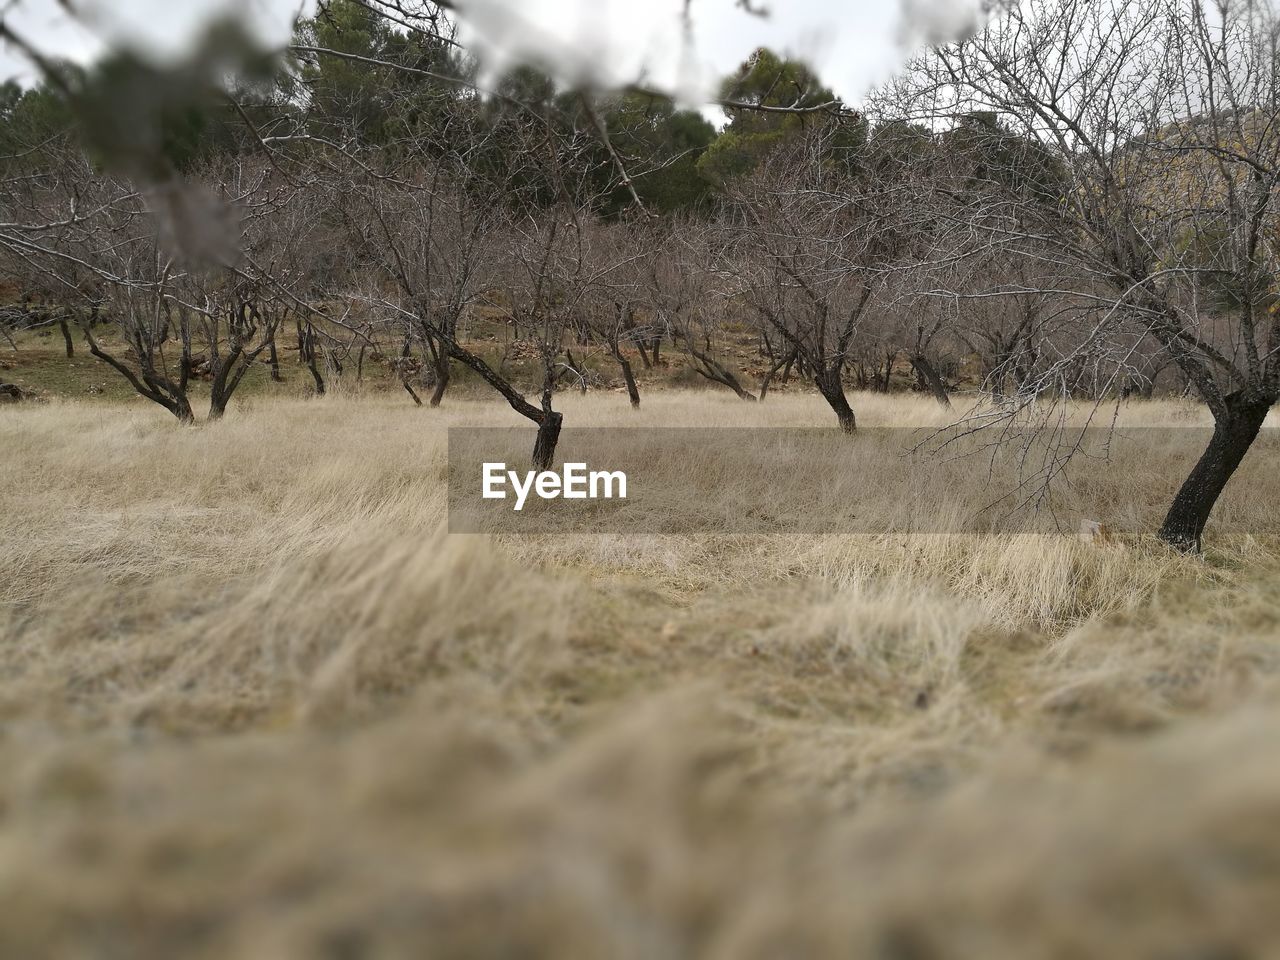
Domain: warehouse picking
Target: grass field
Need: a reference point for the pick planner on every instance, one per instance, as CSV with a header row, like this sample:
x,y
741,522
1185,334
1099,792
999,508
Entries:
x,y
256,703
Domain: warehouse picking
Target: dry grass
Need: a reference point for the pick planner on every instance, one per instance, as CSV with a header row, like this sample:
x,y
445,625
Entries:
x,y
254,702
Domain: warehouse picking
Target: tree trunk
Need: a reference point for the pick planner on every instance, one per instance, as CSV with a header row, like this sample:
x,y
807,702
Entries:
x,y
274,359
66,338
779,364
442,378
151,384
219,394
883,380
544,448
832,391
181,408
307,355
628,377
1233,434
929,380
786,369
548,420
315,375
230,373
707,366
764,384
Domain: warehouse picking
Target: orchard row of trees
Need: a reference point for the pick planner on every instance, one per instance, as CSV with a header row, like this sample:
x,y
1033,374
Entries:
x,y
1077,202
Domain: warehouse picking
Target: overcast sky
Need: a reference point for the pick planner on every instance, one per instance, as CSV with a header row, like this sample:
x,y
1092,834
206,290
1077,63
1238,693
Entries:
x,y
852,43
164,27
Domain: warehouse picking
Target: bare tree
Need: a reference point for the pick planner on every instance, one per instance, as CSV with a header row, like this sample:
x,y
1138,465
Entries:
x,y
692,299
615,300
1161,122
807,246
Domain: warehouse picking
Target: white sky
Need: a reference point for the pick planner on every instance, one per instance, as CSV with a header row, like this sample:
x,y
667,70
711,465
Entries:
x,y
160,27
852,43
